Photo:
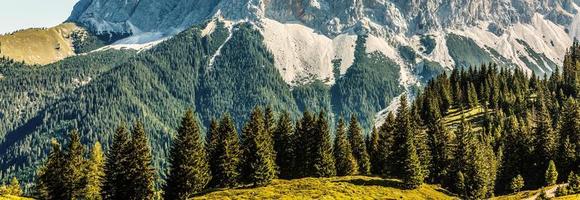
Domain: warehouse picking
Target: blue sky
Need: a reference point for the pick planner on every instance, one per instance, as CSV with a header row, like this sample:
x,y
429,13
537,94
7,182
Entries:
x,y
21,14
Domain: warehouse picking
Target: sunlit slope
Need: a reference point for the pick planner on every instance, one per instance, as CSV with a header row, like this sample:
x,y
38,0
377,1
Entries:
x,y
356,187
39,45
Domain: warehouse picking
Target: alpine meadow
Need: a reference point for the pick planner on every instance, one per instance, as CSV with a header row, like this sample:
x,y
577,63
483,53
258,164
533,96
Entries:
x,y
292,99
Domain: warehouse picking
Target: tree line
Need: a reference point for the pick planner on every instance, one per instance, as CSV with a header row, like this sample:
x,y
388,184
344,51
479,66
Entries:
x,y
526,135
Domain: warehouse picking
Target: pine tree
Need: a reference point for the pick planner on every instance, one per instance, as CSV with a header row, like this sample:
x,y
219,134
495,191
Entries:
x,y
189,173
386,140
545,145
213,140
227,153
74,167
346,164
116,183
322,160
283,145
269,127
94,173
472,98
259,165
551,175
408,166
374,152
517,183
569,133
304,137
440,142
50,180
359,149
14,187
142,178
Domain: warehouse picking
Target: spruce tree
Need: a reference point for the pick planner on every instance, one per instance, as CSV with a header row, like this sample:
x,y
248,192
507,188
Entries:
x,y
517,183
259,165
213,140
408,166
50,180
304,137
189,173
545,145
374,152
386,142
142,176
440,142
284,146
359,149
346,164
14,187
323,164
94,173
227,153
472,99
117,169
74,167
569,133
551,175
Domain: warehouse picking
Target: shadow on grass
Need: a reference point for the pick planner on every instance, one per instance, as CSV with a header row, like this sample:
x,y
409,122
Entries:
x,y
375,182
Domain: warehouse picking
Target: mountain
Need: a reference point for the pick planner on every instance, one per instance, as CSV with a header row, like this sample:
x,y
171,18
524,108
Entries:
x,y
343,56
305,36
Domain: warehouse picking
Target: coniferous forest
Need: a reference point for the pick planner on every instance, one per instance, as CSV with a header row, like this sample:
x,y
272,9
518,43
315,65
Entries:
x,y
478,132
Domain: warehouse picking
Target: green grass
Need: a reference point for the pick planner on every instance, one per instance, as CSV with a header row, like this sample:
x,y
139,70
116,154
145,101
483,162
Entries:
x,y
10,197
569,197
355,187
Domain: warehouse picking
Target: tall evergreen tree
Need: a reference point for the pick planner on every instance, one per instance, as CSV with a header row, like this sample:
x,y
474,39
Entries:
x,y
374,151
189,173
569,132
227,153
259,165
73,173
50,181
284,146
116,183
345,162
213,140
142,176
386,145
551,176
322,160
408,166
359,149
545,141
94,173
304,137
440,142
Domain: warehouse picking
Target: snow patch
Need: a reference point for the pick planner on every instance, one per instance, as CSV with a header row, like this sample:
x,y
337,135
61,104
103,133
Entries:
x,y
78,82
219,50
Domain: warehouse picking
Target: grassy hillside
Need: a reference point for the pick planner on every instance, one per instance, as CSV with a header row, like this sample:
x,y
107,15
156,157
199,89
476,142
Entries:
x,y
10,197
355,187
39,46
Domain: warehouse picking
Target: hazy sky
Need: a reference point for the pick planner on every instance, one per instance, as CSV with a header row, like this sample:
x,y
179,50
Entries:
x,y
21,14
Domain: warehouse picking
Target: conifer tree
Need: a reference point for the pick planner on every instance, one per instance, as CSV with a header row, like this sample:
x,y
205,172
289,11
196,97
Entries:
x,y
374,151
189,173
14,187
569,133
545,137
50,180
227,153
259,164
142,178
440,142
116,183
517,183
322,160
304,137
386,140
74,167
408,166
345,162
94,173
551,175
472,99
283,145
358,145
213,140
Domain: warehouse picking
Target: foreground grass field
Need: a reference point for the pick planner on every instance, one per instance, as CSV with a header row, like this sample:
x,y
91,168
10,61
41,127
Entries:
x,y
10,197
355,187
